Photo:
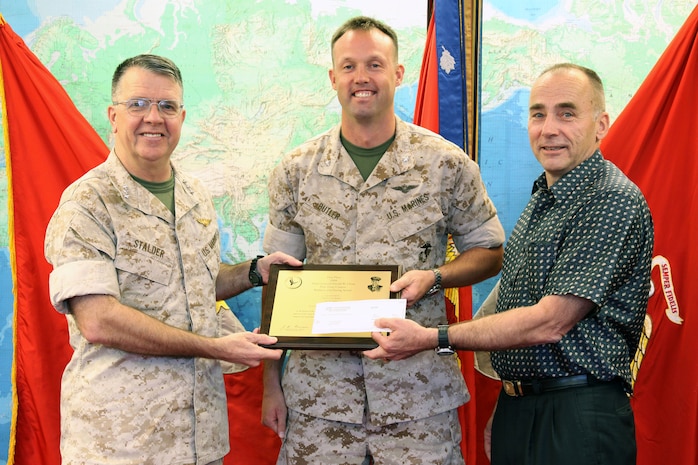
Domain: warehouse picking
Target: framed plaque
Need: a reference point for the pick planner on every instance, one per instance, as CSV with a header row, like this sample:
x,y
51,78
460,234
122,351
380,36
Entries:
x,y
293,293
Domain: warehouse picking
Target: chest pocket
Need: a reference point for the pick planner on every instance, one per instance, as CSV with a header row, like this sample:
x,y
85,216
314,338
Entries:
x,y
416,222
144,265
323,223
210,252
212,265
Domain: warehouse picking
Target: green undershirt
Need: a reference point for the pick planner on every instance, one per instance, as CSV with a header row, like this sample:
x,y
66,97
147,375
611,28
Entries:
x,y
162,190
366,159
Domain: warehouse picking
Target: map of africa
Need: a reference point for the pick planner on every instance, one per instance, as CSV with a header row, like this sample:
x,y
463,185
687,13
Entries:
x,y
256,85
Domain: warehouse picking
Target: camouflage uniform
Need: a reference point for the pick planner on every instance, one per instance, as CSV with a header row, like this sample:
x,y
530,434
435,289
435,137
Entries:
x,y
321,209
111,236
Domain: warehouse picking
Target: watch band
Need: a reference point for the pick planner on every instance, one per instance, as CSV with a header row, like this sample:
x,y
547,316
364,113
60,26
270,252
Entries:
x,y
437,282
443,336
255,277
444,347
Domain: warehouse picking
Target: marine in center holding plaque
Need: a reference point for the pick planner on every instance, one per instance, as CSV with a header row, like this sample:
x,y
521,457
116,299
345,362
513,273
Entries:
x,y
376,191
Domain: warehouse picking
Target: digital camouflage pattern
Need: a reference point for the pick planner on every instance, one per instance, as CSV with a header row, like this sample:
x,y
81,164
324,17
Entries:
x,y
421,442
111,236
321,209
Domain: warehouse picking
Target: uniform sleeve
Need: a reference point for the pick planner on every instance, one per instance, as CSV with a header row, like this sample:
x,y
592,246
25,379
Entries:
x,y
474,221
283,233
483,362
81,252
229,324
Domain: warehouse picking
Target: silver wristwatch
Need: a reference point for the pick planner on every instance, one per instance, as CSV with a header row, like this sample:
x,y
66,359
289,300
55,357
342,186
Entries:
x,y
437,282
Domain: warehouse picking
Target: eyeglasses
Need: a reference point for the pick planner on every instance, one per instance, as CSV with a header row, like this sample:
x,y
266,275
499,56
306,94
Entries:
x,y
141,107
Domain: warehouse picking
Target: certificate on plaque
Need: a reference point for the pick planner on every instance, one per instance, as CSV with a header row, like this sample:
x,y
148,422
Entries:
x,y
293,294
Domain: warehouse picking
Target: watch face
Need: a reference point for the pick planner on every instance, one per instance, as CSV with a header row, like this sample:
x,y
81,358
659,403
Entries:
x,y
445,351
255,277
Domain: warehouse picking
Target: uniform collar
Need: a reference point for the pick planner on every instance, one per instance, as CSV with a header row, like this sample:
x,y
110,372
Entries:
x,y
140,198
336,161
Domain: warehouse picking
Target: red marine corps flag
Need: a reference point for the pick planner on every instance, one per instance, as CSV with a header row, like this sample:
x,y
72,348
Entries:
x,y
655,142
48,144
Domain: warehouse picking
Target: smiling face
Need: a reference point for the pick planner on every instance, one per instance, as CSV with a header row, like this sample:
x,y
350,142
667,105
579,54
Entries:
x,y
365,74
144,144
566,121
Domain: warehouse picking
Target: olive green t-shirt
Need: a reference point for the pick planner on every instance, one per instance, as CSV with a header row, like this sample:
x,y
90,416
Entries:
x,y
162,190
366,159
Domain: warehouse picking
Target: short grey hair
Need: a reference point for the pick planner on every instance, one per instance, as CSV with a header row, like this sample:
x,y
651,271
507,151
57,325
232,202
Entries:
x,y
154,63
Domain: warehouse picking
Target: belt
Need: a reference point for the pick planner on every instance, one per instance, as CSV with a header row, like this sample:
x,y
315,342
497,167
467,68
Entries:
x,y
539,386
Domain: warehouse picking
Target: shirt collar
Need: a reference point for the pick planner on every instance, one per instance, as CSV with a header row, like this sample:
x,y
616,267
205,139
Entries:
x,y
572,181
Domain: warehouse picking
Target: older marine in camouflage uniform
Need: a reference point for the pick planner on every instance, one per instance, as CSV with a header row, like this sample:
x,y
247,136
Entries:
x,y
321,209
135,251
105,238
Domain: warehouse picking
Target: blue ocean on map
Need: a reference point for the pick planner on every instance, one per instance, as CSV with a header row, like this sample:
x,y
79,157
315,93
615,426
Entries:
x,y
405,99
524,9
507,165
246,306
23,20
6,302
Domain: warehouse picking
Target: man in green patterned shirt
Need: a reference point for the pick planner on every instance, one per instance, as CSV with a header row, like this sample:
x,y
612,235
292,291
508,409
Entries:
x,y
572,295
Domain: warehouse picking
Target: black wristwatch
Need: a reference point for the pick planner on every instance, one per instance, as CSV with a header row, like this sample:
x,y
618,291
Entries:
x,y
255,277
444,347
437,282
